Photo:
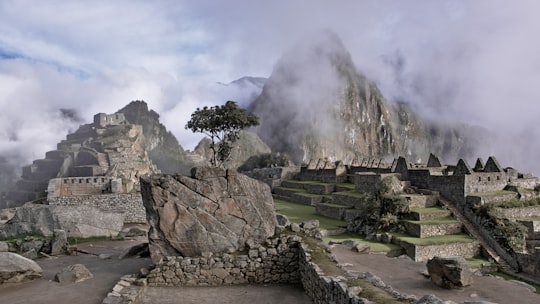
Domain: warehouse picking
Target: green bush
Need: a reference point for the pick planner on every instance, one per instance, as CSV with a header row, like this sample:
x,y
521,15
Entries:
x,y
266,160
509,234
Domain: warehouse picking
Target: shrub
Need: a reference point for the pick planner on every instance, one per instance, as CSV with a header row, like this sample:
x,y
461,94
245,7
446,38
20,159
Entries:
x,y
266,160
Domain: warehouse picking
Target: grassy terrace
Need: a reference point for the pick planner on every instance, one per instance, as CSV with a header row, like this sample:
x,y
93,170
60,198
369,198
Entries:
x,y
434,240
352,193
347,186
429,210
444,220
304,192
492,193
298,213
374,246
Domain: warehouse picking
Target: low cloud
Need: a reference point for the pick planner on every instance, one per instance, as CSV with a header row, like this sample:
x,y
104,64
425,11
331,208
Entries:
x,y
476,62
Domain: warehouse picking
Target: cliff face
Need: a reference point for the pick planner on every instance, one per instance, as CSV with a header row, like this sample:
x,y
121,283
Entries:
x,y
317,104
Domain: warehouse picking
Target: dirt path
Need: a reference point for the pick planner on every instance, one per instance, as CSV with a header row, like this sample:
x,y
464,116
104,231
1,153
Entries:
x,y
240,294
404,275
106,273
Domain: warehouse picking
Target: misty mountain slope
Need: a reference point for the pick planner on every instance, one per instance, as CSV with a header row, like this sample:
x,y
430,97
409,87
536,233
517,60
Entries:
x,y
317,104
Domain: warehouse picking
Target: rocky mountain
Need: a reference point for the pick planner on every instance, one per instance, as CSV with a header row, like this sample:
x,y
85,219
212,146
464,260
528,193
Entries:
x,y
162,146
316,104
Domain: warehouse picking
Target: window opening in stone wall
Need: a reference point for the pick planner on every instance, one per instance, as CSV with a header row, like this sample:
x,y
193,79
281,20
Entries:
x,y
73,181
498,177
489,178
80,181
87,180
65,181
95,180
102,180
479,178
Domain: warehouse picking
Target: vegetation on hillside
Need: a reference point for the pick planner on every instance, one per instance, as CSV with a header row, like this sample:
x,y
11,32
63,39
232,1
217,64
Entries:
x,y
266,160
509,234
381,211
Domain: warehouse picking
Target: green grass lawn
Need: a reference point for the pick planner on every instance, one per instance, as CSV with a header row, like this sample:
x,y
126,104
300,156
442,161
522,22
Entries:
x,y
347,185
429,210
353,194
298,213
374,246
434,240
477,262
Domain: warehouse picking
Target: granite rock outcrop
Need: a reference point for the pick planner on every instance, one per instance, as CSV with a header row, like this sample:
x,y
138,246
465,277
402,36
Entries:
x,y
214,210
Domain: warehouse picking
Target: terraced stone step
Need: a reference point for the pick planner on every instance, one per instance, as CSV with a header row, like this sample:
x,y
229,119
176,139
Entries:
x,y
430,228
332,210
422,249
302,198
286,192
310,187
350,198
429,213
421,200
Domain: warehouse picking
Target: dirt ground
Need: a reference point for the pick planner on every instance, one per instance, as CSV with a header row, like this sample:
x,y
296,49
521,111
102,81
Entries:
x,y
404,275
106,273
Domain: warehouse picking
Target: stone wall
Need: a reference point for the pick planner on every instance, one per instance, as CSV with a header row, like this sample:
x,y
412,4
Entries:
x,y
423,253
89,185
131,204
490,199
283,259
523,212
423,230
274,262
273,176
485,182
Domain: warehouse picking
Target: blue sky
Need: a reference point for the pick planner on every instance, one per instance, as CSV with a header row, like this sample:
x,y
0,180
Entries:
x,y
472,61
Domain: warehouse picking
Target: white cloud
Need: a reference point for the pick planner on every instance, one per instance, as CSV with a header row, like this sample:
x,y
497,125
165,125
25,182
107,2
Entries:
x,y
473,61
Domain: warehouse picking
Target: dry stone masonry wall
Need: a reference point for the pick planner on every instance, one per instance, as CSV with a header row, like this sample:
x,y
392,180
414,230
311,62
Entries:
x,y
130,204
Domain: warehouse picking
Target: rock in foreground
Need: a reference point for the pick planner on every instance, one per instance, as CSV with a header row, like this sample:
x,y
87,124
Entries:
x,y
73,274
449,272
214,210
15,268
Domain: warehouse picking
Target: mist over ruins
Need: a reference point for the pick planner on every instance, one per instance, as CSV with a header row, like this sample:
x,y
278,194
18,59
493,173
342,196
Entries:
x,y
335,172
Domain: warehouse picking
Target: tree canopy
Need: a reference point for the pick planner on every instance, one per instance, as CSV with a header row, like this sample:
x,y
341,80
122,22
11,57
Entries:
x,y
222,124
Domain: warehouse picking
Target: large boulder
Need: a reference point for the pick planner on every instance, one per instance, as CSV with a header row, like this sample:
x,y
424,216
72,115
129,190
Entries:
x,y
77,221
73,274
214,210
86,221
15,268
449,272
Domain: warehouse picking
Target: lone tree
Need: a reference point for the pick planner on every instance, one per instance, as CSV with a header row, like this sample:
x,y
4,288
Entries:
x,y
223,125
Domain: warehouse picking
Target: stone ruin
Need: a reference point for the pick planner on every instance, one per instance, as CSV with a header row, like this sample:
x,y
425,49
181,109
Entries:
x,y
108,148
89,186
